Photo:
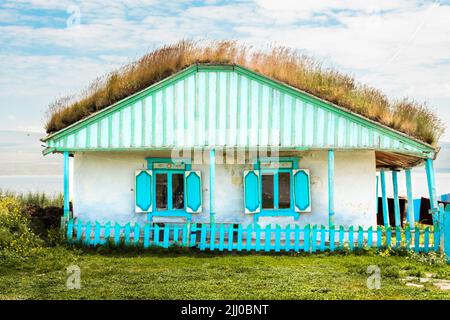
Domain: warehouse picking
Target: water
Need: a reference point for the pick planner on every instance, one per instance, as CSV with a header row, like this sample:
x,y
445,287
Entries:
x,y
50,184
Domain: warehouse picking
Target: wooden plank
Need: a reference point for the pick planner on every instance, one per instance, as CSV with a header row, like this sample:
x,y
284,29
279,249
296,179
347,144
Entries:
x,y
249,232
370,237
107,234
287,238
97,233
87,233
230,237
416,239
277,238
360,237
332,235
127,234
350,238
314,239
257,237
307,238
239,238
117,233
297,238
222,237
136,234
267,238
166,235
323,234
146,235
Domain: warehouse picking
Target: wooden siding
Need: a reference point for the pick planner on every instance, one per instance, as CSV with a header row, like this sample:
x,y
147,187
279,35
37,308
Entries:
x,y
232,107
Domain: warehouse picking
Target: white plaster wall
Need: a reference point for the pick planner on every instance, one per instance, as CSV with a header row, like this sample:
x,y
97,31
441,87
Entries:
x,y
104,189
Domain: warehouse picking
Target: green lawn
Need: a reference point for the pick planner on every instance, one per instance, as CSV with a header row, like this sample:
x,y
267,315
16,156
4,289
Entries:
x,y
203,276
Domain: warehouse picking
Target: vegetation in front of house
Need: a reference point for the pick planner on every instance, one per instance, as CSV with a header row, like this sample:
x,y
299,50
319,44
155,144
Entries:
x,y
280,63
35,267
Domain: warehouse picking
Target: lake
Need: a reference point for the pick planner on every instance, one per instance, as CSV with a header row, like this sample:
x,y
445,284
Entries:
x,y
50,184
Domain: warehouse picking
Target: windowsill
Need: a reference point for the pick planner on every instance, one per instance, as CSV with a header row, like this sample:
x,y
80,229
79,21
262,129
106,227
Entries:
x,y
276,213
170,214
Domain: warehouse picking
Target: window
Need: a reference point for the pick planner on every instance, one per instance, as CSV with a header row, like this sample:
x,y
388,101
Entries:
x,y
170,191
276,190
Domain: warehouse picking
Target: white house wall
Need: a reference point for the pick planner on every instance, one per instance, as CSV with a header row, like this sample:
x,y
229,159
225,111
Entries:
x,y
103,189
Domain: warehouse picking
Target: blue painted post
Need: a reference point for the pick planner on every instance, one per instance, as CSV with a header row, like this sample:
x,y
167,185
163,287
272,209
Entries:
x,y
350,238
370,237
69,231
212,183
332,233
107,232
408,237
379,237
376,194
277,238
323,234
416,239
396,203
156,235
230,237
147,236
97,233
185,238
287,238
331,188
136,233
388,236
360,237
79,229
203,237
341,237
239,238
127,234
384,199
307,237
429,167
297,238
249,232
426,239
221,237
314,239
267,238
212,239
410,207
66,190
446,231
257,237
175,233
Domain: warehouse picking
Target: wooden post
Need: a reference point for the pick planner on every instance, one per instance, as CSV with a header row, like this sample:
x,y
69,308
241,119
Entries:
x,y
331,188
396,203
376,195
212,181
65,217
410,207
384,199
431,186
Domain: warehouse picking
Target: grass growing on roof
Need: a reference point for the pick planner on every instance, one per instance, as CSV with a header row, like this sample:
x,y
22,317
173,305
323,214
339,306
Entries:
x,y
280,63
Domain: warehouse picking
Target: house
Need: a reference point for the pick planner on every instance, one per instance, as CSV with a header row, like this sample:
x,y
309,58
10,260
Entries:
x,y
220,143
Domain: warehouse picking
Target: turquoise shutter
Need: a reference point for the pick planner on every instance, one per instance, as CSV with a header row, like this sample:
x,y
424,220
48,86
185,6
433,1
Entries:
x,y
143,190
302,190
193,183
251,191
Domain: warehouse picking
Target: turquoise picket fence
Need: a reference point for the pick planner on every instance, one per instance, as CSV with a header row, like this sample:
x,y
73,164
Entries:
x,y
229,237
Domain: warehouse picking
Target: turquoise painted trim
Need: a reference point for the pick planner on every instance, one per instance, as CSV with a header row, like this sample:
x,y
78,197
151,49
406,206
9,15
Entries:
x,y
212,184
193,191
376,195
409,195
331,188
66,185
252,181
396,203
302,190
403,143
431,181
184,161
143,190
446,233
384,199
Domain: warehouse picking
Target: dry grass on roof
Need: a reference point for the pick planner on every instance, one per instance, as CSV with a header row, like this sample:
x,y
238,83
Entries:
x,y
280,63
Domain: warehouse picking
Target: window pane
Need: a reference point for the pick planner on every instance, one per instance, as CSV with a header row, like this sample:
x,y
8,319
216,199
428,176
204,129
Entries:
x,y
161,191
177,191
284,190
267,191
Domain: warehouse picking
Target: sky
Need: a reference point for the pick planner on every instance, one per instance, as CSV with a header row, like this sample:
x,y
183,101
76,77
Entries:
x,y
53,48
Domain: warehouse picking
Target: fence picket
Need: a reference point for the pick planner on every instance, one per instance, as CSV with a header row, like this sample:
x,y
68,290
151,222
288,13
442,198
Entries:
x,y
136,234
116,233
202,245
222,237
239,238
332,233
156,235
322,238
360,237
398,237
370,237
388,237
350,238
212,237
69,231
107,233
307,238
79,229
97,233
416,239
249,237
146,235
379,238
267,238
341,237
87,233
185,239
277,238
297,238
287,238
407,237
314,239
257,237
426,239
230,237
127,234
166,235
175,233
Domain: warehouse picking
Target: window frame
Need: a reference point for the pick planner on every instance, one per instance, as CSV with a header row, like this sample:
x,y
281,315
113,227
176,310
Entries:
x,y
259,165
169,171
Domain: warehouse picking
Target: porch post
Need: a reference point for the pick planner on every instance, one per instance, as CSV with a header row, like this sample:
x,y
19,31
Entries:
x,y
384,199
410,207
212,181
66,189
331,188
429,167
396,203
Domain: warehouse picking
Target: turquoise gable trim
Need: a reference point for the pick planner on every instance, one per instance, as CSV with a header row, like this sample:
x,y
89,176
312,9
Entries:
x,y
228,106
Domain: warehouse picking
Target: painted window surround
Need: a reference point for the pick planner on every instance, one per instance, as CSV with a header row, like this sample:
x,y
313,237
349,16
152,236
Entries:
x,y
260,165
172,167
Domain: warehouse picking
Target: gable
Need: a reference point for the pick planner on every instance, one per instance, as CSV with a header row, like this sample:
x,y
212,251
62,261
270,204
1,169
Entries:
x,y
228,106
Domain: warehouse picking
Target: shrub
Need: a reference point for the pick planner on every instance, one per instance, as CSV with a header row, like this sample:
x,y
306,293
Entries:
x,y
15,234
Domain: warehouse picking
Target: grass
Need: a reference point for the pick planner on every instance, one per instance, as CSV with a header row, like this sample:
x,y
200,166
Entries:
x,y
280,63
166,275
40,199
